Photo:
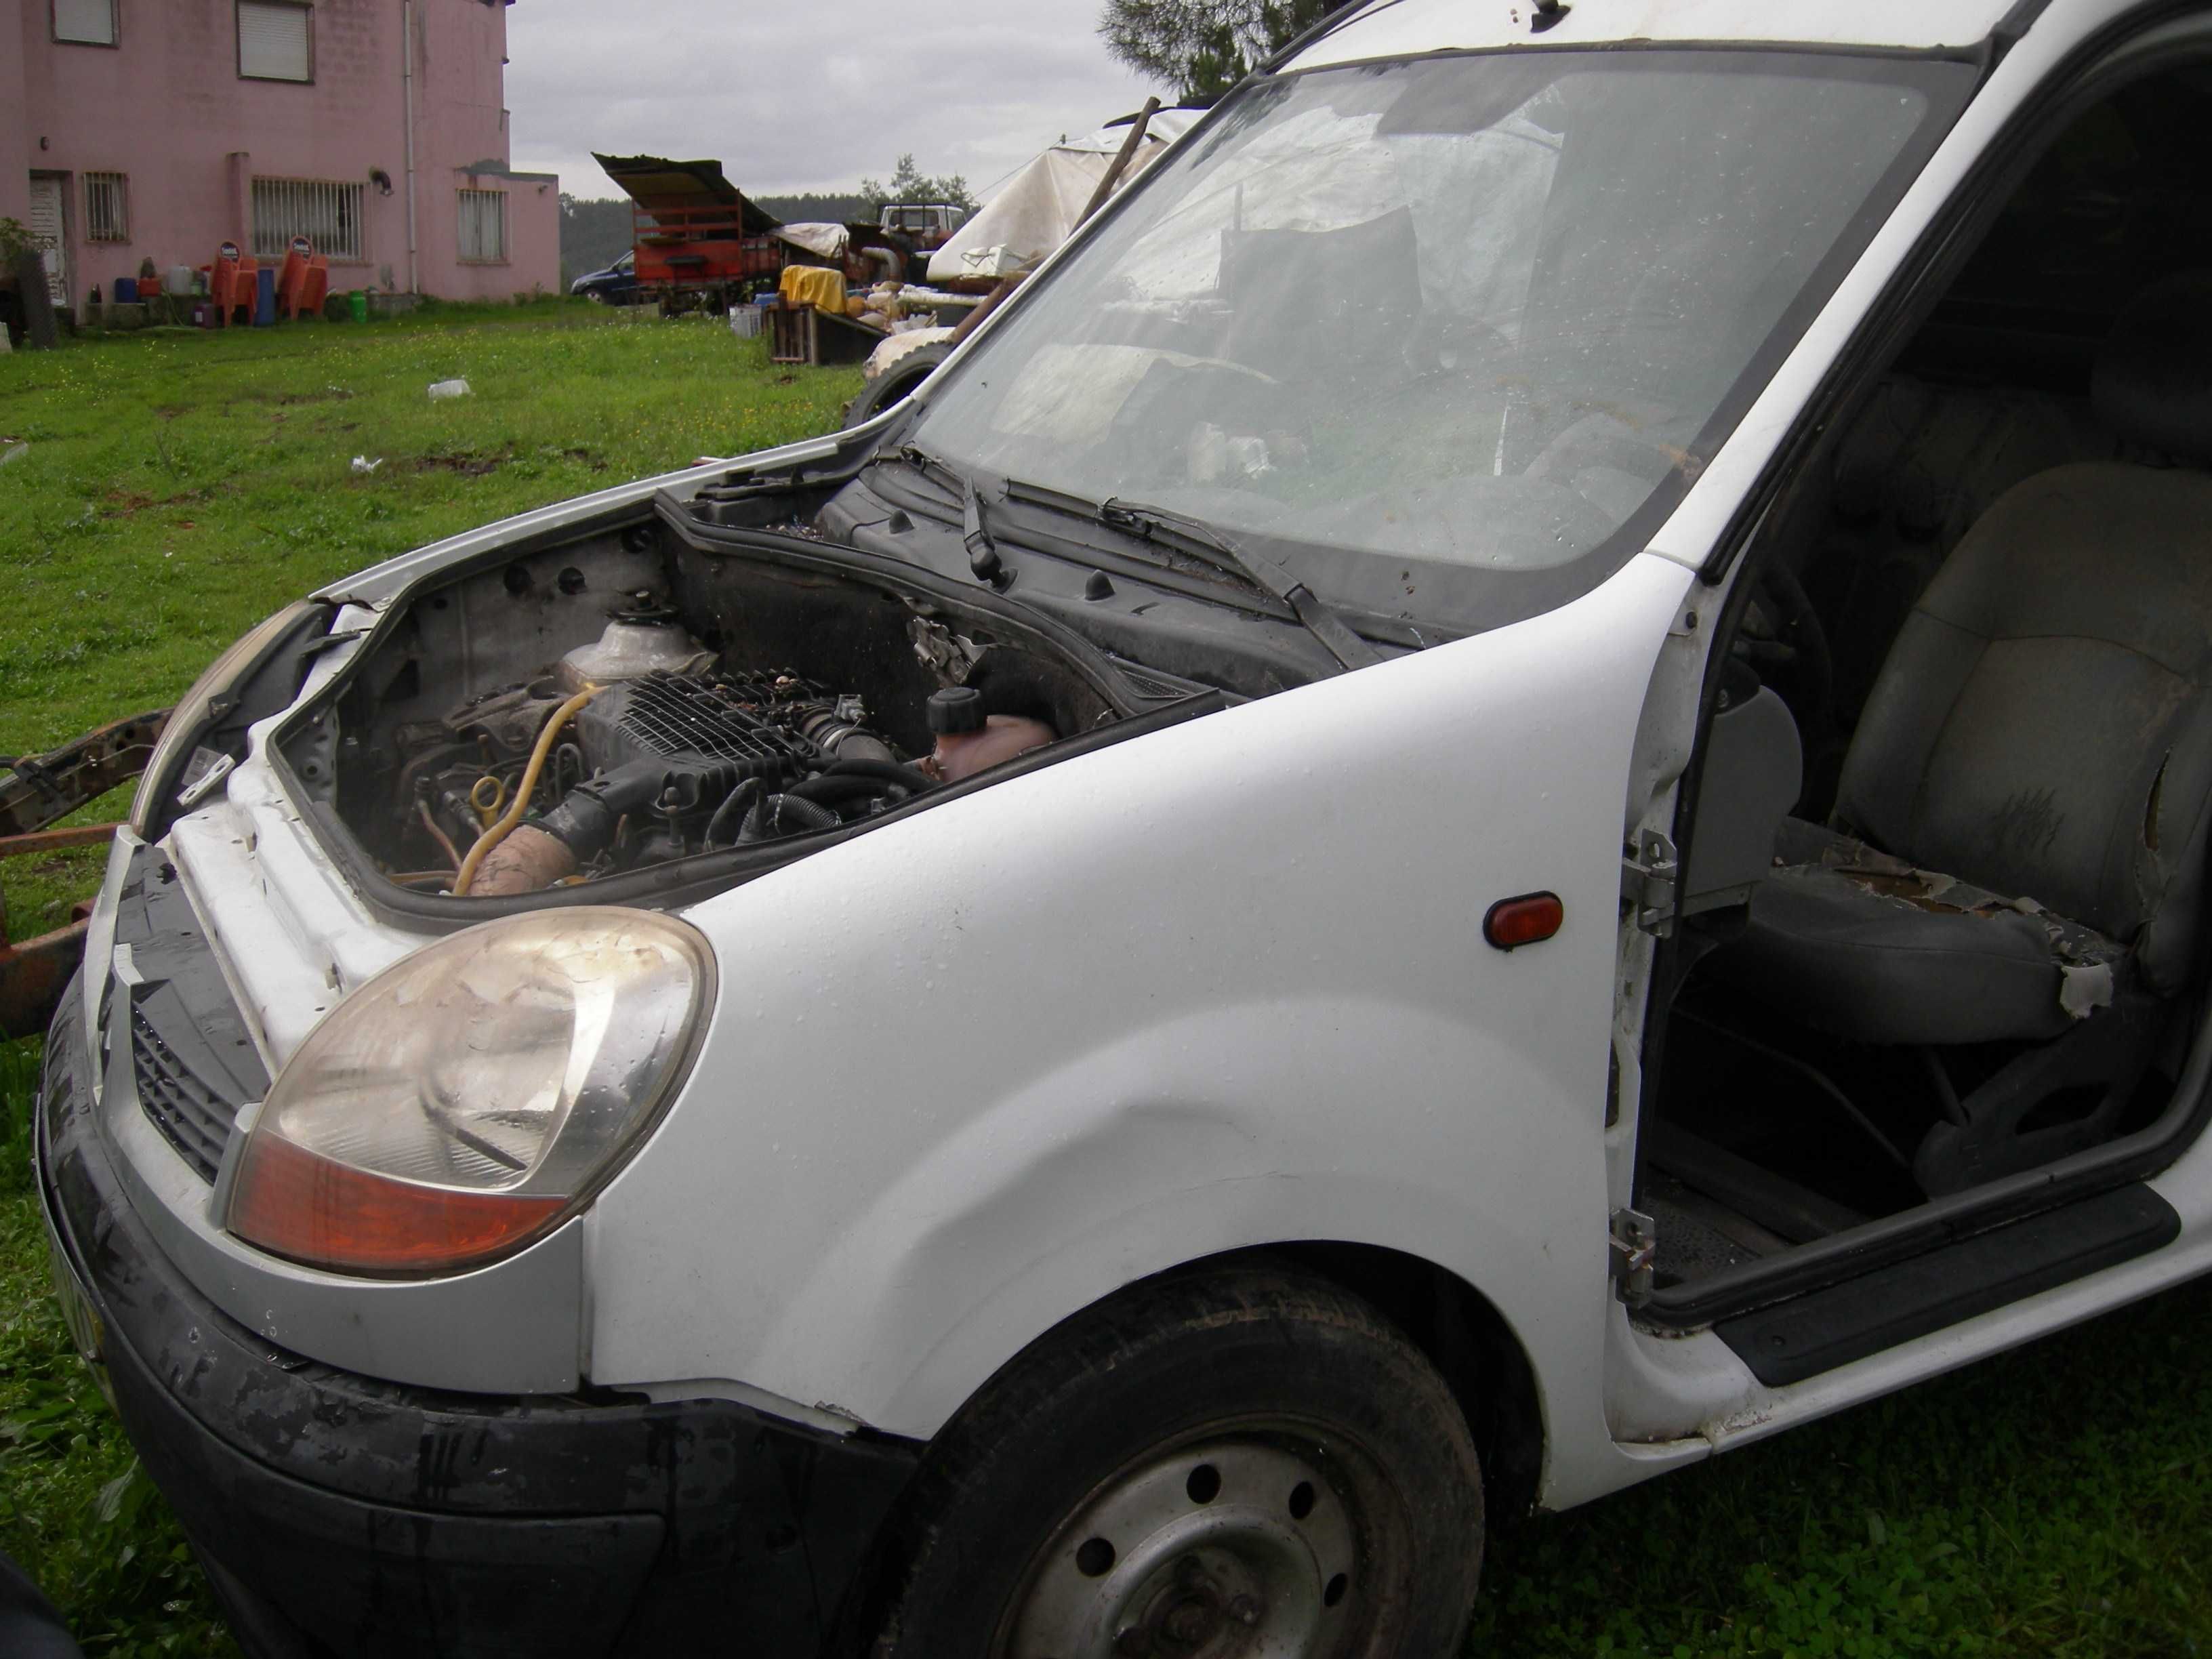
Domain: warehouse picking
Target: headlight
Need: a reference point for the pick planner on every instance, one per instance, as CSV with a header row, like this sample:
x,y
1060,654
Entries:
x,y
470,1099
171,768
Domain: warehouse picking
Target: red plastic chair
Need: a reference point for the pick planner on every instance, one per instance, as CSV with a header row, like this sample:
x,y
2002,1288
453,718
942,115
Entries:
x,y
232,281
303,283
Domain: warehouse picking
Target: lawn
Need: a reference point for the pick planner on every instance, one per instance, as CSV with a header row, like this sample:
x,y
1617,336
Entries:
x,y
177,488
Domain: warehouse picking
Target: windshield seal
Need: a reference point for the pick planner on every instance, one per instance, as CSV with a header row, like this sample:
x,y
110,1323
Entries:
x,y
1455,599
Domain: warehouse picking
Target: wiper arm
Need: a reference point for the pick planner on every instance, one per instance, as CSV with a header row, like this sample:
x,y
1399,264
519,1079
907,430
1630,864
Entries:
x,y
1320,619
982,552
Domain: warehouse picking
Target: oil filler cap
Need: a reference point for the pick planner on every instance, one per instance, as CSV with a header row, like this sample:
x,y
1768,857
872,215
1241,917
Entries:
x,y
957,709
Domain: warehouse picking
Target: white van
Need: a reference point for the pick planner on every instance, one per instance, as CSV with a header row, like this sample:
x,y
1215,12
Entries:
x,y
1510,786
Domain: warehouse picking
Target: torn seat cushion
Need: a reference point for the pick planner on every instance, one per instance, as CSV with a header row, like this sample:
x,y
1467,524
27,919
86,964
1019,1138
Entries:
x,y
1853,941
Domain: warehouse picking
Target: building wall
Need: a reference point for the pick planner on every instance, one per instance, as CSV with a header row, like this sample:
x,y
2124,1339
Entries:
x,y
15,139
166,107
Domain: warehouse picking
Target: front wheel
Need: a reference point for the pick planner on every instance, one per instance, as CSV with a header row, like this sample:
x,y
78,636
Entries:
x,y
1230,1466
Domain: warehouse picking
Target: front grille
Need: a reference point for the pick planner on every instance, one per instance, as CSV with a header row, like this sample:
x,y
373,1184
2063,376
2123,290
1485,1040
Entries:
x,y
192,1116
191,1056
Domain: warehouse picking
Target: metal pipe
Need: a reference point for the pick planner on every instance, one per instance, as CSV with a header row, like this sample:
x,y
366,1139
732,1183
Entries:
x,y
407,93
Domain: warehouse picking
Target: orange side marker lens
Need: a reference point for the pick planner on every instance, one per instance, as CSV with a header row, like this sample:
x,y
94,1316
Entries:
x,y
1526,920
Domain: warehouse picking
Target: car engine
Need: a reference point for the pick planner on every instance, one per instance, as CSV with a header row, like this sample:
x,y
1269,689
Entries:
x,y
640,749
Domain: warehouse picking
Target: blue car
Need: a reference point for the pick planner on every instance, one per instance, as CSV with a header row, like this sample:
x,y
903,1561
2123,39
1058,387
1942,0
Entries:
x,y
615,286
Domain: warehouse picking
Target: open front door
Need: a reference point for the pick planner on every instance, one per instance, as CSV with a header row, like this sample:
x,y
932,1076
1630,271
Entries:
x,y
48,232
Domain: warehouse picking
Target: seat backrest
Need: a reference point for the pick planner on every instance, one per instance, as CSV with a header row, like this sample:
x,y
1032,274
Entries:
x,y
2043,724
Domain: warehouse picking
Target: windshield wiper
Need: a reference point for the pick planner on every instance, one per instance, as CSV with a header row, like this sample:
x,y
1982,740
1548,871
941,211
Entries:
x,y
1203,542
982,552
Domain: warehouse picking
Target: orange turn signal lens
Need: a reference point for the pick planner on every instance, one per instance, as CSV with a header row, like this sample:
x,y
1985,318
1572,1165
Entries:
x,y
1526,920
296,1203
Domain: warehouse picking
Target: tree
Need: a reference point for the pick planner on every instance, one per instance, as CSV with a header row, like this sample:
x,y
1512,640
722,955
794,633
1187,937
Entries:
x,y
909,184
1203,47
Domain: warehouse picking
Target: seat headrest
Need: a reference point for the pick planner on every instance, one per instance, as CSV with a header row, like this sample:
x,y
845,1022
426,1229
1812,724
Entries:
x,y
2153,380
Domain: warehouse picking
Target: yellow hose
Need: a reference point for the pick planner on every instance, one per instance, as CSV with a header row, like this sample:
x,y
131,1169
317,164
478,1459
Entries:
x,y
497,832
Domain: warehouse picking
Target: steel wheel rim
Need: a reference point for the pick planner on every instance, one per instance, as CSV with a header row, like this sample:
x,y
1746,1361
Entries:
x,y
1249,1543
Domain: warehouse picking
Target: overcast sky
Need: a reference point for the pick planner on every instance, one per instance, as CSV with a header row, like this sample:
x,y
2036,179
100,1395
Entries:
x,y
806,94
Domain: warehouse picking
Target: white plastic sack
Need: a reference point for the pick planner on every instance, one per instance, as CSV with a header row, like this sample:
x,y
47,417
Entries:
x,y
823,240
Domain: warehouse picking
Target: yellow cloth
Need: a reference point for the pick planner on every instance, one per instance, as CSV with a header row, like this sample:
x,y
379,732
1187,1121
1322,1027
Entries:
x,y
818,286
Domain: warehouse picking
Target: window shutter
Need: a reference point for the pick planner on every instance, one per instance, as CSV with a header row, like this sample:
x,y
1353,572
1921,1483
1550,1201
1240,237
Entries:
x,y
483,226
92,21
272,41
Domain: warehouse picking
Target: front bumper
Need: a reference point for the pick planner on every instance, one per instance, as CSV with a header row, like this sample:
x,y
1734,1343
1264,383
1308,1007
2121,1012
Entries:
x,y
338,1514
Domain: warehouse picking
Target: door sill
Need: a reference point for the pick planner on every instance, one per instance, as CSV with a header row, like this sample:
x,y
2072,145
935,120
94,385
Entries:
x,y
1821,1330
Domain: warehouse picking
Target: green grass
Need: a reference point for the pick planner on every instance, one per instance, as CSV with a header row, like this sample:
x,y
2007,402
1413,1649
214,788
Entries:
x,y
2054,1501
180,486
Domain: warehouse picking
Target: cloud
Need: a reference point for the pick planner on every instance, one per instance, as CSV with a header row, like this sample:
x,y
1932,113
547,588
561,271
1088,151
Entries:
x,y
804,97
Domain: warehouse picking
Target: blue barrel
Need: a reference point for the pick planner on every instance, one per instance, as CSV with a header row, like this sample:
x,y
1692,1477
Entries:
x,y
127,290
265,297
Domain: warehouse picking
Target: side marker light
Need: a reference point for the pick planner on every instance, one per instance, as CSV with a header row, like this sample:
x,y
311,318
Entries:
x,y
1526,918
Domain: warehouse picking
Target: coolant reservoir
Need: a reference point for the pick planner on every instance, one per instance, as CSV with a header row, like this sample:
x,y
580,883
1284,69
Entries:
x,y
638,640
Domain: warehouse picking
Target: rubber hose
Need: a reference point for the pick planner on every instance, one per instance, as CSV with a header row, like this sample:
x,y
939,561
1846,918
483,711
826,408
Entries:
x,y
747,792
911,781
499,831
828,789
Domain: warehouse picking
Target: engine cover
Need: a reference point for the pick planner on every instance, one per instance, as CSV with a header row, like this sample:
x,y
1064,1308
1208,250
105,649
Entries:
x,y
688,718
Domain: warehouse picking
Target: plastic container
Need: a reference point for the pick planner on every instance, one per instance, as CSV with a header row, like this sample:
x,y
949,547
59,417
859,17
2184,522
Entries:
x,y
357,305
127,290
745,322
178,283
265,296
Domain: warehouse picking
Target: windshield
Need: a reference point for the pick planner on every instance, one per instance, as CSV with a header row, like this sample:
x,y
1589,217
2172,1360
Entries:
x,y
1426,328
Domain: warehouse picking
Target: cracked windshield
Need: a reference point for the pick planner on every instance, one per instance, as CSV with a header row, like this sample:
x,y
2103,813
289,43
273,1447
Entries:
x,y
1471,310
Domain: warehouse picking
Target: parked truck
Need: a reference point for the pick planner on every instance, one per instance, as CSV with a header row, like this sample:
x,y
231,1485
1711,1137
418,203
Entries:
x,y
698,242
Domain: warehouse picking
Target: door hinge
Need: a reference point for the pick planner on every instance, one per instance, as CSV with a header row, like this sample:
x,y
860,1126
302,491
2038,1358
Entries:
x,y
1632,1240
1647,883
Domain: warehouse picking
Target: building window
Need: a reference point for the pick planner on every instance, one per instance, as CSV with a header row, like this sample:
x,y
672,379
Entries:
x,y
87,22
483,226
275,40
327,214
106,207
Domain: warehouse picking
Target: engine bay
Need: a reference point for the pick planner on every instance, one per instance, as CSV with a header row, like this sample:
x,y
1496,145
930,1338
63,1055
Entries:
x,y
657,691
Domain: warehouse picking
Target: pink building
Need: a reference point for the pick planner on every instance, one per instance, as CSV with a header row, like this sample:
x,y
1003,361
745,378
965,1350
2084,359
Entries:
x,y
160,129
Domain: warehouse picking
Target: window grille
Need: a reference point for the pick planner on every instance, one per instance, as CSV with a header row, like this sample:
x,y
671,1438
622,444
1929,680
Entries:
x,y
483,226
106,207
275,41
326,213
90,22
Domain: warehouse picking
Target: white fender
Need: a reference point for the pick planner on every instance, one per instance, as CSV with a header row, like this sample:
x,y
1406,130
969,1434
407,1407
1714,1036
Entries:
x,y
1221,985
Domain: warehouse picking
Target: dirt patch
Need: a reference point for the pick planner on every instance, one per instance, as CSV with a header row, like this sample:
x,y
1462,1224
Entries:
x,y
469,463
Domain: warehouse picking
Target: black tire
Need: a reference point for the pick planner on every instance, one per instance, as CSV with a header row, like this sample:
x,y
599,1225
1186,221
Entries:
x,y
895,383
1180,1405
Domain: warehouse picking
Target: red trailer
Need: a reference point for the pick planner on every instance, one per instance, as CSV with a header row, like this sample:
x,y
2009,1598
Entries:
x,y
698,240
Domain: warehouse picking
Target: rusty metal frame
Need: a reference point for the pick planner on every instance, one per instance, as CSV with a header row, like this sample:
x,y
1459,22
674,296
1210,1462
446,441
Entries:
x,y
40,789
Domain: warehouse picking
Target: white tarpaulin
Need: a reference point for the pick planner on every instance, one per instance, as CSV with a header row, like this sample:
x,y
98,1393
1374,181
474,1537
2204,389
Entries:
x,y
1033,213
825,241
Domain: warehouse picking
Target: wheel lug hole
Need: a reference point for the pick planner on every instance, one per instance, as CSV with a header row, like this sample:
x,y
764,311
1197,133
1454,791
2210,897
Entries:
x,y
1203,1485
1334,1591
1094,1558
1302,1500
